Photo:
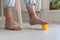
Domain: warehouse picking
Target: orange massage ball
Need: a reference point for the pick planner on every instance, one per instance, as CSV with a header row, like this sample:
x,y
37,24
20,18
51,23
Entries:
x,y
45,27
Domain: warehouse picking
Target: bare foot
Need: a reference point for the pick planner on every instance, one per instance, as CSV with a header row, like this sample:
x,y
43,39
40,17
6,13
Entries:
x,y
11,26
36,20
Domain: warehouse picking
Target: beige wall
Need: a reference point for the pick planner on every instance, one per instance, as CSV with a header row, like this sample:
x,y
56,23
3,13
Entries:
x,y
52,15
0,7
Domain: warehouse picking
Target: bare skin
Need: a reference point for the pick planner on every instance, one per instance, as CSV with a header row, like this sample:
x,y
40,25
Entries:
x,y
34,19
10,25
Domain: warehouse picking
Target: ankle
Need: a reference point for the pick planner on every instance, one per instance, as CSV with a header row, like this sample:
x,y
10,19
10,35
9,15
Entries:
x,y
9,19
34,17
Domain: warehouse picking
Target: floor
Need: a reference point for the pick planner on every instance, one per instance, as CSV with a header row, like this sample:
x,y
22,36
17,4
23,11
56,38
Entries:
x,y
53,33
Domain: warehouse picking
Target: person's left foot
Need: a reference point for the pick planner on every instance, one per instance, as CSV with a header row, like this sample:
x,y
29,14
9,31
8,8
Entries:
x,y
10,25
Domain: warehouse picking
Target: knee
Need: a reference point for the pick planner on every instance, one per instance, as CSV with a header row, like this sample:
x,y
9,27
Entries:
x,y
30,2
9,3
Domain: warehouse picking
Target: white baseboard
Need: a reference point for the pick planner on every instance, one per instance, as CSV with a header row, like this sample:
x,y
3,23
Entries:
x,y
51,15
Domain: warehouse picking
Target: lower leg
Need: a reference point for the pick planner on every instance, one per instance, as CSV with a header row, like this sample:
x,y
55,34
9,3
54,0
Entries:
x,y
9,20
34,19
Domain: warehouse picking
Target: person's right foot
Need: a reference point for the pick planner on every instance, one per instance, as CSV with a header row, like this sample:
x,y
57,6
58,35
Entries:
x,y
35,20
